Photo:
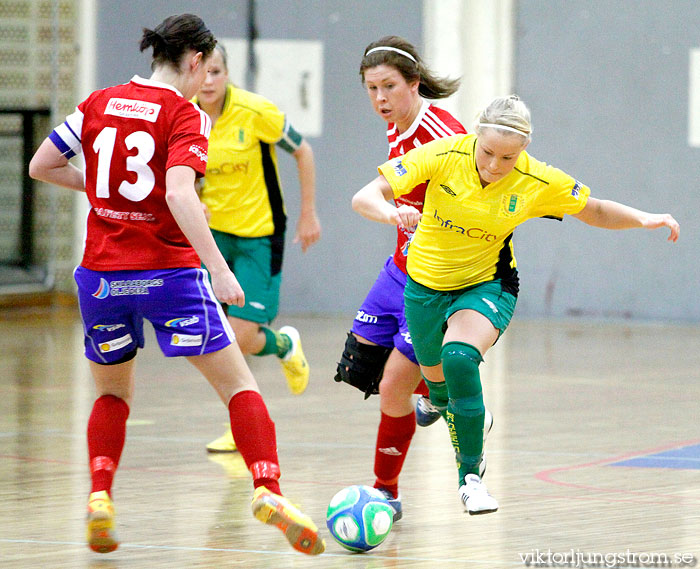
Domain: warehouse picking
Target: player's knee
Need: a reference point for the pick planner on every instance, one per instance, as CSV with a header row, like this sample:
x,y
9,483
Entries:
x,y
460,366
395,386
362,365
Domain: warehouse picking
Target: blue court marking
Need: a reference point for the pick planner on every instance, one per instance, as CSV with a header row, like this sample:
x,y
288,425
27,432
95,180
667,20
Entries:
x,y
686,457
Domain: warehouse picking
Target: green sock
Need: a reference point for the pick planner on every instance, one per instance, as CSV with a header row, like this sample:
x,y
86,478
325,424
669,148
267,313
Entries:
x,y
275,343
465,410
466,431
438,395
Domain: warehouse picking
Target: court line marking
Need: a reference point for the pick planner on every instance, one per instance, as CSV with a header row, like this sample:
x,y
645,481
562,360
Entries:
x,y
548,475
342,555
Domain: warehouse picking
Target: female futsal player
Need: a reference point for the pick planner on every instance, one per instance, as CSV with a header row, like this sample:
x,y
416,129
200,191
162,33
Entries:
x,y
463,281
144,143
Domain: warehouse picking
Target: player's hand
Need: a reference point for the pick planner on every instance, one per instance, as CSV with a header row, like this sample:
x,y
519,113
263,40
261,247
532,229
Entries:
x,y
308,230
227,289
406,216
656,220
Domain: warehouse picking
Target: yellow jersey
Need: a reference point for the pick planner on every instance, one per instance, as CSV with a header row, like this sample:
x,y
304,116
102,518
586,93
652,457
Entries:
x,y
241,186
465,235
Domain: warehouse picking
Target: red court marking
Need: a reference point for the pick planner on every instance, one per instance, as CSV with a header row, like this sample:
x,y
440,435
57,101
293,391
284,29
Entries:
x,y
548,475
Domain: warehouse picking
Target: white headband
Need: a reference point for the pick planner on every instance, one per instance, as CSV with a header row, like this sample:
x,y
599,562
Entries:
x,y
397,50
504,127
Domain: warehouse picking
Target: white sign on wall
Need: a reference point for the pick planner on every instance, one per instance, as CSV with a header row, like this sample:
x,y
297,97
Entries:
x,y
289,73
694,98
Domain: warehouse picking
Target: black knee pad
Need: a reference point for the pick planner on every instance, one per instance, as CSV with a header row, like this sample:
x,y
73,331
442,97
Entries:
x,y
362,365
125,358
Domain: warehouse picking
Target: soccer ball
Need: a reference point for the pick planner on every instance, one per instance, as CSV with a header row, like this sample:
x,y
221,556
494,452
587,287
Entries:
x,y
359,518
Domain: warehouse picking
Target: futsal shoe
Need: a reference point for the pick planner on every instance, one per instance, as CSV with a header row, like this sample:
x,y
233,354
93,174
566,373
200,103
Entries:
x,y
476,497
395,503
426,412
298,528
100,523
294,364
224,443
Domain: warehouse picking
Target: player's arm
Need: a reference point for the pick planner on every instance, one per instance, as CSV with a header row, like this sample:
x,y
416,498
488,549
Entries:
x,y
49,165
198,187
308,226
187,211
372,202
613,215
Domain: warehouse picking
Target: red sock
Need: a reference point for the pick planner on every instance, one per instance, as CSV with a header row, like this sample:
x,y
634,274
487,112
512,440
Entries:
x,y
106,434
393,439
422,389
254,433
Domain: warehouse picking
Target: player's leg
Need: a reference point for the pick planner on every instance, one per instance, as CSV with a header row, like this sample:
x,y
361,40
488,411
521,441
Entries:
x,y
254,433
257,339
374,328
106,435
210,346
106,431
229,375
257,264
425,412
249,335
426,313
251,339
468,336
475,320
396,426
112,337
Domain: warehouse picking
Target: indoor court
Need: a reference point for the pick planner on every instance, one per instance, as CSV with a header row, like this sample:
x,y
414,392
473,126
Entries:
x,y
594,451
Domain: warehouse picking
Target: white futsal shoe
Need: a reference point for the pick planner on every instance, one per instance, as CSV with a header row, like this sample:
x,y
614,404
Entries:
x,y
476,497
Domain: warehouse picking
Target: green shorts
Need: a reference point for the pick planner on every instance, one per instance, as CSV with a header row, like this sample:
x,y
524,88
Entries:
x,y
257,264
427,311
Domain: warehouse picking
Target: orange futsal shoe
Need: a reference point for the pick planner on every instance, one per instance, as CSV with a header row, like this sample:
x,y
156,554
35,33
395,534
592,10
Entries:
x,y
298,528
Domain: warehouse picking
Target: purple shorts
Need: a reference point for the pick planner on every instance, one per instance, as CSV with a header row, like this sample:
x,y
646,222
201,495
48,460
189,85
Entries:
x,y
179,303
381,317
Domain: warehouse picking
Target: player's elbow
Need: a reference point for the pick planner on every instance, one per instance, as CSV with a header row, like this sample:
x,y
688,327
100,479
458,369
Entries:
x,y
37,169
304,152
355,203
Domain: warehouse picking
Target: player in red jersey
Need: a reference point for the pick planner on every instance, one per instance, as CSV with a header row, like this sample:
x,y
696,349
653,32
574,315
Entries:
x,y
379,346
144,144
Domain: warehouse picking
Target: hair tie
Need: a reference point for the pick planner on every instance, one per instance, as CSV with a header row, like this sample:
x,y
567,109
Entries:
x,y
394,49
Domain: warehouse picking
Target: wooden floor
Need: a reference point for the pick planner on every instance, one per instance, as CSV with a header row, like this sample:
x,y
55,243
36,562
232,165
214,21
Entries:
x,y
571,402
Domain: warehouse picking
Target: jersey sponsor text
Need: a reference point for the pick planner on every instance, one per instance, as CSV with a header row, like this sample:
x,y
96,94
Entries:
x,y
199,152
116,344
186,340
362,316
131,109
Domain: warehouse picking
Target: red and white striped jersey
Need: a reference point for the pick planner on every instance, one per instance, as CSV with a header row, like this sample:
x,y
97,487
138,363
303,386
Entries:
x,y
431,123
130,135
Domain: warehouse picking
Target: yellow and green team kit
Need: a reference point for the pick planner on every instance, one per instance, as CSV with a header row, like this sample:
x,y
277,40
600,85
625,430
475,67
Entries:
x,y
242,191
242,188
461,258
464,236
